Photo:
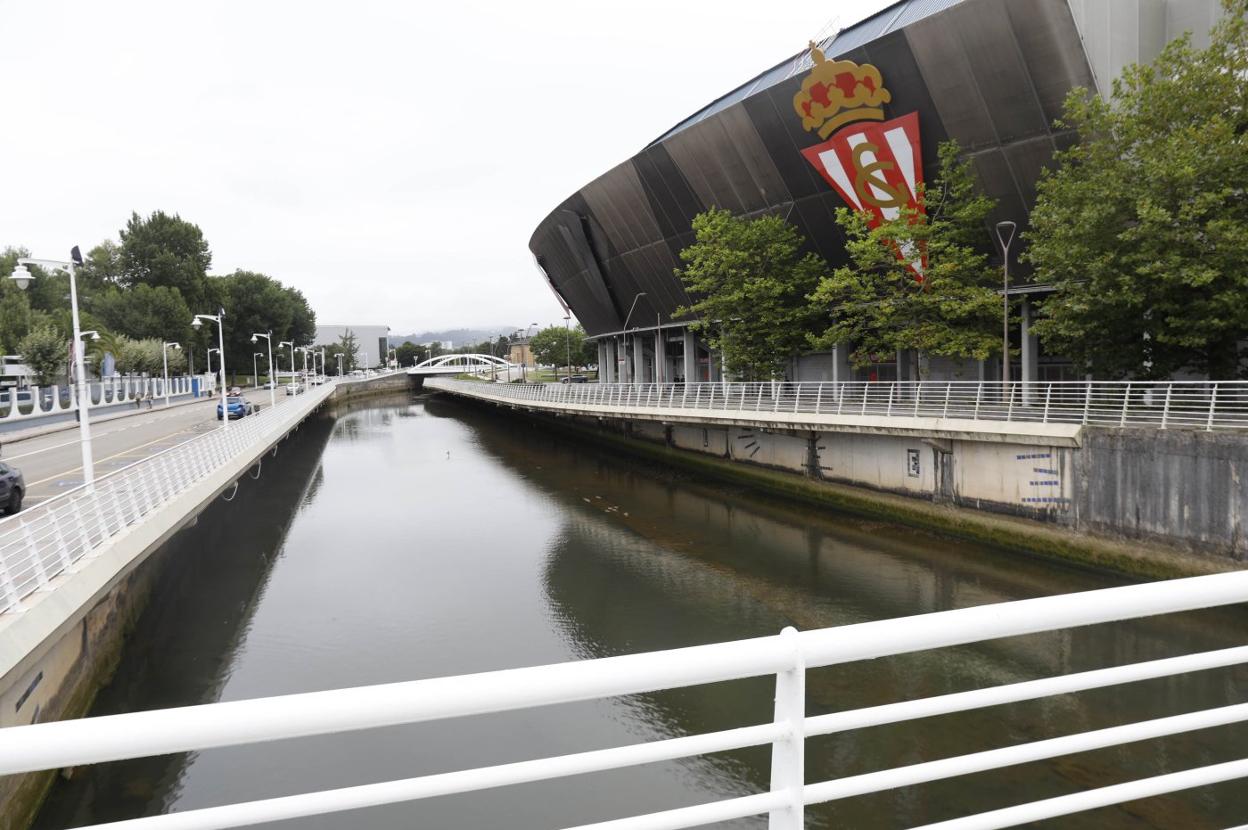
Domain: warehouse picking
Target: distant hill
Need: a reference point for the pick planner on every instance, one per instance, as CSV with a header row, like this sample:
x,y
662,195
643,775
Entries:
x,y
460,337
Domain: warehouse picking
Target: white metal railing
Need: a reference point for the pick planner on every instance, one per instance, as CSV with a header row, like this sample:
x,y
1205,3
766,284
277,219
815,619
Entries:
x,y
34,402
1206,405
45,540
788,656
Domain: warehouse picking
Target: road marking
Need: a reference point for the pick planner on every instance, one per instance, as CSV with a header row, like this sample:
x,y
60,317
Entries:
x,y
95,437
114,455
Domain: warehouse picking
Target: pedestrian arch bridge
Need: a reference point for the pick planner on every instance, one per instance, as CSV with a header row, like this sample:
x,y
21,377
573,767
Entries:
x,y
458,364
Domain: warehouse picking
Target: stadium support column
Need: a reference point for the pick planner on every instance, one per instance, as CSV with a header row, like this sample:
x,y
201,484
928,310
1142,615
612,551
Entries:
x,y
691,357
1030,353
639,360
660,357
603,373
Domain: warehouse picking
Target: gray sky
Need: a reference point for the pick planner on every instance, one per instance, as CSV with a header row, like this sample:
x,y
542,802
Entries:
x,y
390,159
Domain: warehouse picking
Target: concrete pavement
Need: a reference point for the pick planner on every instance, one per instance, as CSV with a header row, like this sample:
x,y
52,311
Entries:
x,y
52,464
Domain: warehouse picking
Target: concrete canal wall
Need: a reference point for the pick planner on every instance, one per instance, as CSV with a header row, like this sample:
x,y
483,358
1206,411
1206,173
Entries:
x,y
1143,501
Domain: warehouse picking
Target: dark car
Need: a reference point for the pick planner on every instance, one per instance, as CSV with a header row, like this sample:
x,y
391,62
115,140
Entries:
x,y
12,488
239,408
575,379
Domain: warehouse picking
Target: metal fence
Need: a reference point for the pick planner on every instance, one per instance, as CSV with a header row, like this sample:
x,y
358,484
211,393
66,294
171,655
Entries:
x,y
787,656
1206,405
45,540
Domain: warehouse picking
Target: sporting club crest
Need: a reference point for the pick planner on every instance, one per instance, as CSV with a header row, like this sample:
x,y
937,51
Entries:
x,y
875,165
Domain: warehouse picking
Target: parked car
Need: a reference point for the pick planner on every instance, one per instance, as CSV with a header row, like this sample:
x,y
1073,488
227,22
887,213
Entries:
x,y
575,379
235,391
294,389
239,406
12,488
23,396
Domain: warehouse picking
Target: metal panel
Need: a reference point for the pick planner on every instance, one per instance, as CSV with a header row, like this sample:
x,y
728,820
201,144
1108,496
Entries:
x,y
620,204
1049,44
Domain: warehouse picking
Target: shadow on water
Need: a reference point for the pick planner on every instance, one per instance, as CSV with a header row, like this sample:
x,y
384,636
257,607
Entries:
x,y
422,538
700,563
180,653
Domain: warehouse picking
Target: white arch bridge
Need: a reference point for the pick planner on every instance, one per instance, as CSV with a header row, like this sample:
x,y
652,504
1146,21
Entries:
x,y
458,364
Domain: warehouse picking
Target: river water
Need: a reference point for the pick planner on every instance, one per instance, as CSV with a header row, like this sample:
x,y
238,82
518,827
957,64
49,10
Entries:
x,y
416,538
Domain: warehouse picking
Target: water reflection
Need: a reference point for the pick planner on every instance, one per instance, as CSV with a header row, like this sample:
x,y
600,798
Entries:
x,y
431,539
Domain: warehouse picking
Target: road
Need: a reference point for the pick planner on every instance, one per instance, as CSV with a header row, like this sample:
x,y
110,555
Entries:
x,y
52,464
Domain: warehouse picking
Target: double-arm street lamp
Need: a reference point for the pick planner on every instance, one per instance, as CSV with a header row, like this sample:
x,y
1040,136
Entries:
x,y
291,344
164,354
1005,235
21,277
219,318
268,338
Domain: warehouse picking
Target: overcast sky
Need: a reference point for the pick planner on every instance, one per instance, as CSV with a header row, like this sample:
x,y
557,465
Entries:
x,y
389,159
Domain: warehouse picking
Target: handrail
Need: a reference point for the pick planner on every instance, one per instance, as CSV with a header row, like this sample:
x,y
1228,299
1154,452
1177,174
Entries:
x,y
788,656
39,544
1162,405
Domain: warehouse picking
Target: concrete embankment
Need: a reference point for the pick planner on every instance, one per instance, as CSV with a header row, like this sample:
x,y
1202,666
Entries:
x,y
1148,503
62,646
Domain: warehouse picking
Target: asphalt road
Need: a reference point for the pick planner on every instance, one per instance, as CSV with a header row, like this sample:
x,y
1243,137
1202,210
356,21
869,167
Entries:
x,y
52,464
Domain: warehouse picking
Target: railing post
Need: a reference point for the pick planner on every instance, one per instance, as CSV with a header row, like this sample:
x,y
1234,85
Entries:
x,y
1009,411
1048,393
891,388
8,588
788,773
944,413
818,397
1126,399
1165,408
979,395
1087,401
41,573
840,398
797,401
1213,402
918,396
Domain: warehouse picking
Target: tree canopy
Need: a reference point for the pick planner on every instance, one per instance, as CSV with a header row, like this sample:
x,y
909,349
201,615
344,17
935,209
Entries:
x,y
876,303
749,280
44,350
552,345
1143,225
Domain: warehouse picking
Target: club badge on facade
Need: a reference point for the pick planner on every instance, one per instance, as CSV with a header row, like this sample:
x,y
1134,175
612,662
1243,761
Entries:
x,y
875,165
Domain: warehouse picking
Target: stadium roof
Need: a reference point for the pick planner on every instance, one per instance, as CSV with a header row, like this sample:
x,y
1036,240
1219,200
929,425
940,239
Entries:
x,y
889,19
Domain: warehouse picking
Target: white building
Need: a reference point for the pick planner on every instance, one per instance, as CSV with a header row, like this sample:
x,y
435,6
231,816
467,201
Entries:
x,y
373,341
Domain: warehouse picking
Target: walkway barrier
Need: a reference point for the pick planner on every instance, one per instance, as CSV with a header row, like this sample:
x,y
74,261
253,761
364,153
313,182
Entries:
x,y
1206,405
787,656
44,541
34,402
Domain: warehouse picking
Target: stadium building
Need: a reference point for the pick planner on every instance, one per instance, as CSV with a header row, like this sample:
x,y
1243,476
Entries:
x,y
808,136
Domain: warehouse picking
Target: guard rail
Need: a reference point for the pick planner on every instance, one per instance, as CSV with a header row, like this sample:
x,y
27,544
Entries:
x,y
1204,405
787,656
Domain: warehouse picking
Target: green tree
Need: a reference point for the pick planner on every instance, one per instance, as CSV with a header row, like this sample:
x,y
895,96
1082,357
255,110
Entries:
x,y
347,346
144,311
552,345
44,350
15,319
877,305
1143,225
164,250
408,354
256,302
750,279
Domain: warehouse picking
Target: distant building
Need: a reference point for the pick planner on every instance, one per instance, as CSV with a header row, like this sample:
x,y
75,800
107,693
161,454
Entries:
x,y
521,354
374,341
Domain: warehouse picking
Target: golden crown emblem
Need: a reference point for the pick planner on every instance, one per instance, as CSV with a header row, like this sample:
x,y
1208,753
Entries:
x,y
837,92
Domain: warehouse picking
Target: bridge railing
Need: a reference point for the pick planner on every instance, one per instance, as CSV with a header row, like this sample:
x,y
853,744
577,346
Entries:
x,y
1206,405
788,656
44,541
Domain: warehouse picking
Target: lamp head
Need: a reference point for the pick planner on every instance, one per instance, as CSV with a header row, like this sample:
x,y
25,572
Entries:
x,y
21,277
177,346
1005,233
95,335
197,324
253,338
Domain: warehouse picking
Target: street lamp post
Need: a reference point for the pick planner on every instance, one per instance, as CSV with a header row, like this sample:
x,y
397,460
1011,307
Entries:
x,y
219,319
1005,235
21,277
528,345
255,368
211,350
268,339
339,358
567,341
291,344
164,354
628,317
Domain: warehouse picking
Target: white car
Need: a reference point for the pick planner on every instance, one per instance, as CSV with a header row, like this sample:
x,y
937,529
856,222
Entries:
x,y
294,389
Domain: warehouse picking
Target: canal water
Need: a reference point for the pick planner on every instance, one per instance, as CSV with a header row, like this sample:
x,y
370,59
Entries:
x,y
416,538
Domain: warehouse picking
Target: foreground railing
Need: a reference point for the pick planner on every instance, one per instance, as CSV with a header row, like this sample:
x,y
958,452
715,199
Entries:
x,y
1204,405
787,656
43,541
